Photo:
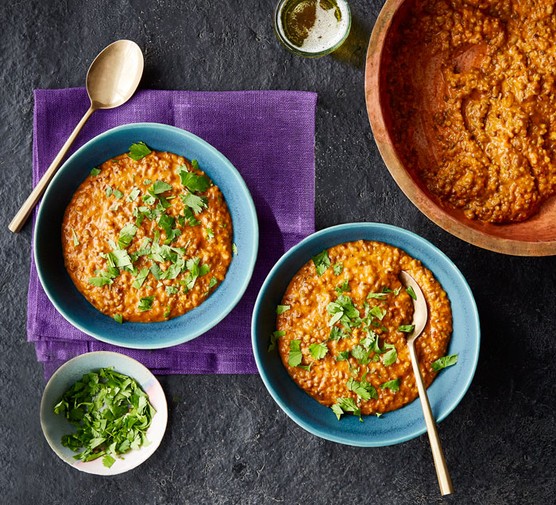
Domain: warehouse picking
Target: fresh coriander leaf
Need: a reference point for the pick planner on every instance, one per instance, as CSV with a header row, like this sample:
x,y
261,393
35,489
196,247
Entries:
x,y
167,312
193,182
346,405
95,171
280,309
295,356
160,187
140,279
361,354
146,303
321,261
234,249
104,277
75,238
393,385
378,296
213,282
195,164
167,222
411,292
318,351
274,339
108,461
117,193
336,333
147,182
171,290
444,362
390,356
126,235
397,291
342,356
378,414
118,318
344,311
138,151
108,190
210,234
365,390
342,288
338,268
149,199
406,328
196,203
133,195
189,216
337,410
378,312
120,258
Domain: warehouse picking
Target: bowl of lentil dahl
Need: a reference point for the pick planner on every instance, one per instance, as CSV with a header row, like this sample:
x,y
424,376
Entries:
x,y
146,238
461,101
328,334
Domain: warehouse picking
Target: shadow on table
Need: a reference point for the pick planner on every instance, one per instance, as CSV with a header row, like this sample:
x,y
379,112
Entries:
x,y
354,49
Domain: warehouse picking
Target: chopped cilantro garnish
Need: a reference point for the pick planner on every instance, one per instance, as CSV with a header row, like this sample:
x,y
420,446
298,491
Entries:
x,y
344,311
138,151
318,351
117,193
172,290
378,312
126,235
338,268
108,190
147,182
133,195
195,164
342,356
390,356
280,309
336,333
167,312
234,249
189,216
361,354
119,258
213,282
342,288
75,238
140,279
274,339
393,385
95,171
193,182
118,318
378,296
210,234
146,303
149,199
295,356
406,328
104,277
411,292
160,187
365,390
111,414
444,362
196,203
344,405
321,261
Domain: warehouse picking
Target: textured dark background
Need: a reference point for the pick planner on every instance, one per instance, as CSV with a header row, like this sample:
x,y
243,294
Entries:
x,y
227,441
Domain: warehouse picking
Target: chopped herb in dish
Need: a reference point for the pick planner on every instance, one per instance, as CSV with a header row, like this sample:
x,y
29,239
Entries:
x,y
138,151
322,262
99,435
444,362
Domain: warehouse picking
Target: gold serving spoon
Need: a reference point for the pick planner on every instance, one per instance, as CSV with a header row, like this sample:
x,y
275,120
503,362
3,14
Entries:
x,y
111,80
420,317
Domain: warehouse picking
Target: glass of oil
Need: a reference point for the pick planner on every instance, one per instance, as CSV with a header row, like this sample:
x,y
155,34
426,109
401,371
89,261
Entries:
x,y
312,28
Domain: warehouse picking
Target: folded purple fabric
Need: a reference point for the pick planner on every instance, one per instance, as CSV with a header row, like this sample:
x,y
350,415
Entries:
x,y
267,135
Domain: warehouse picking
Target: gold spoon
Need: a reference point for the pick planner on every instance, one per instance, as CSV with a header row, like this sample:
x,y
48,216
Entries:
x,y
420,317
112,79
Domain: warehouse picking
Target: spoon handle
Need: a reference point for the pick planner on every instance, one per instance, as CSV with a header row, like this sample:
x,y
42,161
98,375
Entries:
x,y
21,217
444,480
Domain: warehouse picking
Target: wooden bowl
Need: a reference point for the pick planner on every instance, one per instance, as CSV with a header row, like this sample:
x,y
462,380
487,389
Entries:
x,y
533,237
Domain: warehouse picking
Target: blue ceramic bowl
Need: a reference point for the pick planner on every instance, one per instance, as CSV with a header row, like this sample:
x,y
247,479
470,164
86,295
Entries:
x,y
393,427
48,245
54,426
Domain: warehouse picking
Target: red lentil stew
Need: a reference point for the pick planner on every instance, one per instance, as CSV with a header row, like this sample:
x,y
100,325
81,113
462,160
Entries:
x,y
472,100
147,236
342,326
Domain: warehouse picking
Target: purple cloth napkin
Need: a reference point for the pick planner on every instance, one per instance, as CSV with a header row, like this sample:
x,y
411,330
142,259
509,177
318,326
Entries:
x,y
267,135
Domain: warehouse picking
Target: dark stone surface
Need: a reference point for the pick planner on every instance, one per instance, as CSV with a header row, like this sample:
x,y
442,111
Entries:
x,y
227,440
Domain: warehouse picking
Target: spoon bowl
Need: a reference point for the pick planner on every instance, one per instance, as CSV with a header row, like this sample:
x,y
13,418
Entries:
x,y
111,81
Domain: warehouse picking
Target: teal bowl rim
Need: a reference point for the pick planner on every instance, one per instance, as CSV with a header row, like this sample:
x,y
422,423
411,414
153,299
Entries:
x,y
252,217
331,232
